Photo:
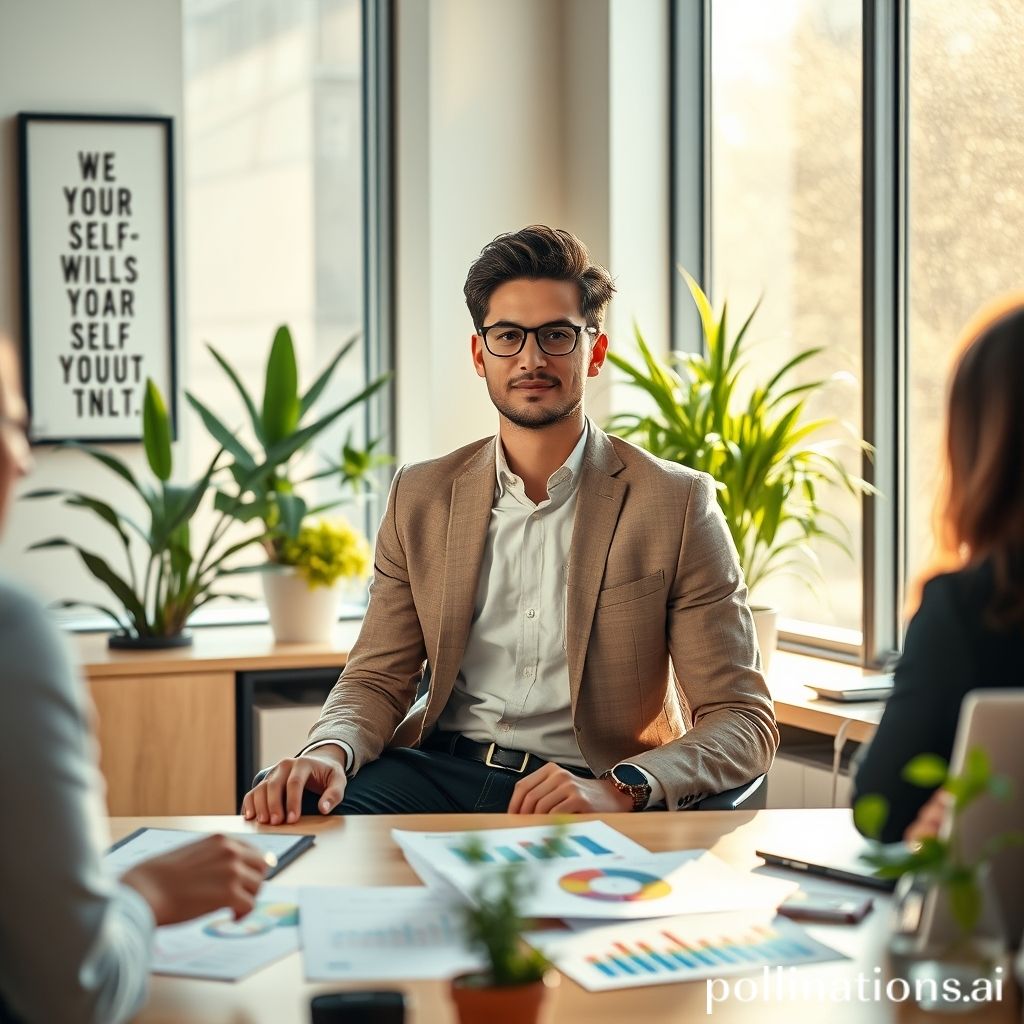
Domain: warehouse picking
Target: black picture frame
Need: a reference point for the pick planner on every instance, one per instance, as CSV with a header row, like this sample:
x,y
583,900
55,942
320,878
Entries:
x,y
87,350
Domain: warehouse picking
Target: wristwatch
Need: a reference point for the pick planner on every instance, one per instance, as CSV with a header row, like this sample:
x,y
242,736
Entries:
x,y
628,779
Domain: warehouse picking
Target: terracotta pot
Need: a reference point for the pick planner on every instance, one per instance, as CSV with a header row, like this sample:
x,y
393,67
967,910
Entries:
x,y
477,1003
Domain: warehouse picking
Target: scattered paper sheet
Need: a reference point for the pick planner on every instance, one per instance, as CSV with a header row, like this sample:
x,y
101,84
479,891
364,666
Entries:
x,y
378,934
669,950
217,946
594,872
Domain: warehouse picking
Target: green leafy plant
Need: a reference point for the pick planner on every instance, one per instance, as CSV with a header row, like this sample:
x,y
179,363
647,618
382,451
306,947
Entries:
x,y
265,490
327,551
493,922
768,468
176,580
941,860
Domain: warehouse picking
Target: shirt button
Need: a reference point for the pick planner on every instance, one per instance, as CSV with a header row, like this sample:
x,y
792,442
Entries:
x,y
530,614
527,671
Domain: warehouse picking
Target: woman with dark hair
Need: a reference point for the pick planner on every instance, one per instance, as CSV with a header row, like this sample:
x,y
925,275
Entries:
x,y
74,940
968,629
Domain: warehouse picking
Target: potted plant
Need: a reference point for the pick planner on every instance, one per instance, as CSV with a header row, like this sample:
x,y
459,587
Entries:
x,y
151,608
272,497
946,919
517,981
303,602
762,453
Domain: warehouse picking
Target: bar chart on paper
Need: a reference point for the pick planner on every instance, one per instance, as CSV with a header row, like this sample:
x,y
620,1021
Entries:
x,y
681,949
523,845
544,848
380,933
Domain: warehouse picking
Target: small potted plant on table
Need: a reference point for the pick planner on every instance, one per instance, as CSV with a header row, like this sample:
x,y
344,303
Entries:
x,y
517,982
947,923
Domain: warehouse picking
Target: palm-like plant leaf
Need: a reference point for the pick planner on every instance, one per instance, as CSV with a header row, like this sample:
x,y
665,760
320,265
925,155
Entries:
x,y
764,455
281,390
156,432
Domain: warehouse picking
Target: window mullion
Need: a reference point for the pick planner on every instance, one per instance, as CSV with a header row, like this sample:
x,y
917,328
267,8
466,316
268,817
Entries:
x,y
883,317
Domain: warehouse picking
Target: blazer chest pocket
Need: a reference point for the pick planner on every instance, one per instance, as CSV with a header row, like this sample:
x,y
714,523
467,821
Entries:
x,y
631,591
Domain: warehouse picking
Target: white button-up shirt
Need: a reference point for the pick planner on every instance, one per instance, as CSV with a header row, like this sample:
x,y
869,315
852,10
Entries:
x,y
513,687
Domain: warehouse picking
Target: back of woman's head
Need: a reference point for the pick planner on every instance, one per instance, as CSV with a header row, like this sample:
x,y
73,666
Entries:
x,y
981,512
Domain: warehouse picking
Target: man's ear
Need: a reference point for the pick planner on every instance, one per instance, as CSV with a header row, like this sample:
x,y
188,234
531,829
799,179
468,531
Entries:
x,y
476,344
597,354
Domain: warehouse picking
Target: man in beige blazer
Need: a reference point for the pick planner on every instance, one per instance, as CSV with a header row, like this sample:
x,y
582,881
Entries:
x,y
572,606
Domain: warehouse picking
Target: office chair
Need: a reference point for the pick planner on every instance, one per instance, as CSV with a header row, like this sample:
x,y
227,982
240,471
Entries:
x,y
751,796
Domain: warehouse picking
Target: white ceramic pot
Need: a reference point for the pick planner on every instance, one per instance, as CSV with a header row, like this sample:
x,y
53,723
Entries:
x,y
300,614
766,624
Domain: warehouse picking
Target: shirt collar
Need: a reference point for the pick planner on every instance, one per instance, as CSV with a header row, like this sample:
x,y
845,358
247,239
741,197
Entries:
x,y
567,472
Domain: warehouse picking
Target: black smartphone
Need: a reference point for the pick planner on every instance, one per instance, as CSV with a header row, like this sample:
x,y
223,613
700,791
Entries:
x,y
385,1006
826,909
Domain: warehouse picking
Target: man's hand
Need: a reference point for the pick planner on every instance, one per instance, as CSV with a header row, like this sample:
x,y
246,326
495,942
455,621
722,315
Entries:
x,y
199,878
553,789
930,818
277,800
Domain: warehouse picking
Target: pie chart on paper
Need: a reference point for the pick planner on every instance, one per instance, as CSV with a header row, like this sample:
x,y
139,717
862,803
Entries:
x,y
615,885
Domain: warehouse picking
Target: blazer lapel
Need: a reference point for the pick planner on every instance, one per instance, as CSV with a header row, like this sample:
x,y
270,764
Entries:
x,y
598,505
472,499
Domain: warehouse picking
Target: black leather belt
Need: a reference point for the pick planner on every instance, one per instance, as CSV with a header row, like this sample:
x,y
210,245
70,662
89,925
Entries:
x,y
490,754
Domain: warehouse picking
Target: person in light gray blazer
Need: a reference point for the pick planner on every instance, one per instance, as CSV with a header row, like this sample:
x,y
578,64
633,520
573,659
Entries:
x,y
75,941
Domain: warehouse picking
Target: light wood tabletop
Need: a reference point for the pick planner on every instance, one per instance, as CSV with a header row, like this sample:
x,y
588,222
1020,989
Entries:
x,y
359,851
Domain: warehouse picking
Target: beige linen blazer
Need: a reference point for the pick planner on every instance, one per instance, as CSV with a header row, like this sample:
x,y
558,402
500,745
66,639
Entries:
x,y
652,577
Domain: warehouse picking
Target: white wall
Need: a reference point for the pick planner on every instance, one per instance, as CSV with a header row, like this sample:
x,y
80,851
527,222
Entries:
x,y
551,111
100,57
578,102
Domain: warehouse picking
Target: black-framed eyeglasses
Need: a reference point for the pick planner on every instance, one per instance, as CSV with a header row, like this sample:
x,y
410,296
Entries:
x,y
557,338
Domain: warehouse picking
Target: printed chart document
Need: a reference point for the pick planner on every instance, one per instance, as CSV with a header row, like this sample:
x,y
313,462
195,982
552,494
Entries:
x,y
218,947
595,873
667,950
380,934
443,852
150,842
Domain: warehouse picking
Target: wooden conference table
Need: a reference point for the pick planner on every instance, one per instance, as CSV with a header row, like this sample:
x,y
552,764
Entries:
x,y
359,851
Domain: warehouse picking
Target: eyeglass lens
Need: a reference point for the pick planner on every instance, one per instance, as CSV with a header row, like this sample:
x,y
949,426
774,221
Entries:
x,y
554,339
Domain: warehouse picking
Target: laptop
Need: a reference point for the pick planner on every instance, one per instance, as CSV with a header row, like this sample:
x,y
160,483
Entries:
x,y
869,687
994,721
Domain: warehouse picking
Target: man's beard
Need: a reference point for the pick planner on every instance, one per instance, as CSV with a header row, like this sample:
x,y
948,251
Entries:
x,y
533,417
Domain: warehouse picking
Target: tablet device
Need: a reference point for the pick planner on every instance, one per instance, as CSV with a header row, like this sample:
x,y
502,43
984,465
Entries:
x,y
842,868
144,843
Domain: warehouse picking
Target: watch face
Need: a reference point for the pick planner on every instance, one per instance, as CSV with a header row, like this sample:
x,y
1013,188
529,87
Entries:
x,y
629,775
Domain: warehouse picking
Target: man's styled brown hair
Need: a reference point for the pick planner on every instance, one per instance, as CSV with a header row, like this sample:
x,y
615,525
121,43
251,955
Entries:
x,y
980,513
538,252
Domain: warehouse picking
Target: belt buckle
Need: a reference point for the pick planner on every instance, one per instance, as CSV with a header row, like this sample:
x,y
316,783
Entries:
x,y
505,767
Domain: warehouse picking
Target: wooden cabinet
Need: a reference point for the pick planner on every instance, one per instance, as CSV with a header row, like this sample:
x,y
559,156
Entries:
x,y
167,742
167,720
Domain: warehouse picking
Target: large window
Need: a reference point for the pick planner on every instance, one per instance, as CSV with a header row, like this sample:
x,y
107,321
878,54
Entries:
x,y
785,228
864,172
966,208
273,168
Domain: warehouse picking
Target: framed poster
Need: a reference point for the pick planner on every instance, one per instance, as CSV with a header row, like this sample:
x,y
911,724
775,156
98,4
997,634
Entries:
x,y
97,272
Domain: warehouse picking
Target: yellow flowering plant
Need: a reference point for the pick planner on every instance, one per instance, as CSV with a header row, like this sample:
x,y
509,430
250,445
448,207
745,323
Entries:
x,y
327,550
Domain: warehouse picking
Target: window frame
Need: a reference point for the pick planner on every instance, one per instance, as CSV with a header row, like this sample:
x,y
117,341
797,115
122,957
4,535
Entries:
x,y
883,293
